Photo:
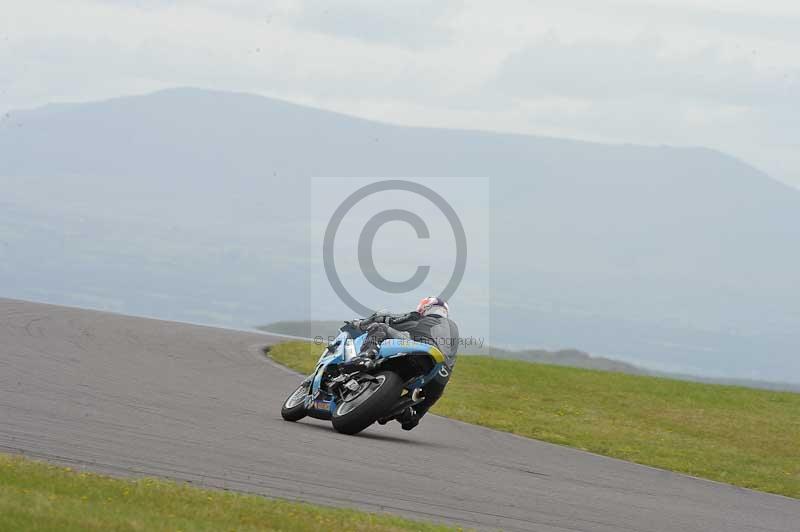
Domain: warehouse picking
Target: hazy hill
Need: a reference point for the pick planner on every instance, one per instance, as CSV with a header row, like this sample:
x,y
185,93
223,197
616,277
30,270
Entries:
x,y
304,329
191,204
562,357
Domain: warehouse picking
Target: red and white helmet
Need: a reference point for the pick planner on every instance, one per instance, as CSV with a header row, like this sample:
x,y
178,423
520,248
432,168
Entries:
x,y
433,305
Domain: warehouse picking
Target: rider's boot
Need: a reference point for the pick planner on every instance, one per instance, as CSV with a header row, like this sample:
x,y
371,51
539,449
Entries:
x,y
359,364
365,360
408,418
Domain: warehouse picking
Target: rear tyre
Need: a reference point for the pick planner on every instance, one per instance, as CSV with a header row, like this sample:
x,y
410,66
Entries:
x,y
294,408
363,408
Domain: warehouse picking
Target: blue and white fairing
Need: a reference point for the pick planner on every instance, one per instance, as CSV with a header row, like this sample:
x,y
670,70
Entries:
x,y
321,403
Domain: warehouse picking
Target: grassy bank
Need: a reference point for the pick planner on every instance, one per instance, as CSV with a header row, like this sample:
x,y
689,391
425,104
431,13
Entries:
x,y
738,435
38,496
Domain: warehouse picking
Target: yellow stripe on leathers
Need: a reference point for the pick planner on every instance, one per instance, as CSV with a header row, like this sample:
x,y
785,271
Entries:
x,y
436,354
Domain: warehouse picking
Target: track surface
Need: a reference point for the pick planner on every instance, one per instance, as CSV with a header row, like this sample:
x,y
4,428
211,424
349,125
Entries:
x,y
135,396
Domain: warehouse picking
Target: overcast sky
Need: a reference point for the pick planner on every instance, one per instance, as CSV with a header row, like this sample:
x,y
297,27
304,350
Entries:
x,y
722,74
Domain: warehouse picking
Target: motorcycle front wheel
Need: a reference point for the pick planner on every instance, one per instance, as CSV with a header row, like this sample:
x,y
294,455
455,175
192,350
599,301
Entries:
x,y
294,408
373,400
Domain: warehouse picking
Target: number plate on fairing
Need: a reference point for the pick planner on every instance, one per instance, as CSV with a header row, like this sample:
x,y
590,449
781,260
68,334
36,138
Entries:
x,y
319,404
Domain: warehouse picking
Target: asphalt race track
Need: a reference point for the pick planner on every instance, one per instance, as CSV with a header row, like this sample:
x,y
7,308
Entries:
x,y
127,395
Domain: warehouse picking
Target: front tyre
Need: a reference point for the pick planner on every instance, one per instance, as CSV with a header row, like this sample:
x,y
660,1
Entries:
x,y
374,399
294,408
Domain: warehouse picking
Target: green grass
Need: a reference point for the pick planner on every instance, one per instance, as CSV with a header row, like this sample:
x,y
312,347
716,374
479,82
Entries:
x,y
38,496
732,434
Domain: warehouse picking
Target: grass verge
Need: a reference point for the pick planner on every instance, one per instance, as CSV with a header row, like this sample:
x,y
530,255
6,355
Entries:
x,y
741,436
39,496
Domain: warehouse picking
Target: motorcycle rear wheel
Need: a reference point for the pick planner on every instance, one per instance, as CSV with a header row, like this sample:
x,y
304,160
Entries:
x,y
368,405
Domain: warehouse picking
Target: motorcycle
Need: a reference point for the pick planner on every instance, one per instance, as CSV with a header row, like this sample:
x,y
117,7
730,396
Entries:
x,y
353,399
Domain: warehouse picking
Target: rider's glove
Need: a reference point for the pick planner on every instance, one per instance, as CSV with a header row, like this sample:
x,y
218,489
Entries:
x,y
364,323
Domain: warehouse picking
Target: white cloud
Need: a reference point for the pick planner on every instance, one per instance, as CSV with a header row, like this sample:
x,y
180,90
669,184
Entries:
x,y
720,74
642,69
415,24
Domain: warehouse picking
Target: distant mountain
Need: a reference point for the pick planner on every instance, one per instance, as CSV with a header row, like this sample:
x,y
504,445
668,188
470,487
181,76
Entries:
x,y
563,357
566,357
304,329
193,204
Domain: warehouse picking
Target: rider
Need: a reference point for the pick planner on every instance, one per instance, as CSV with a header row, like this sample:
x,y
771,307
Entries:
x,y
429,324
